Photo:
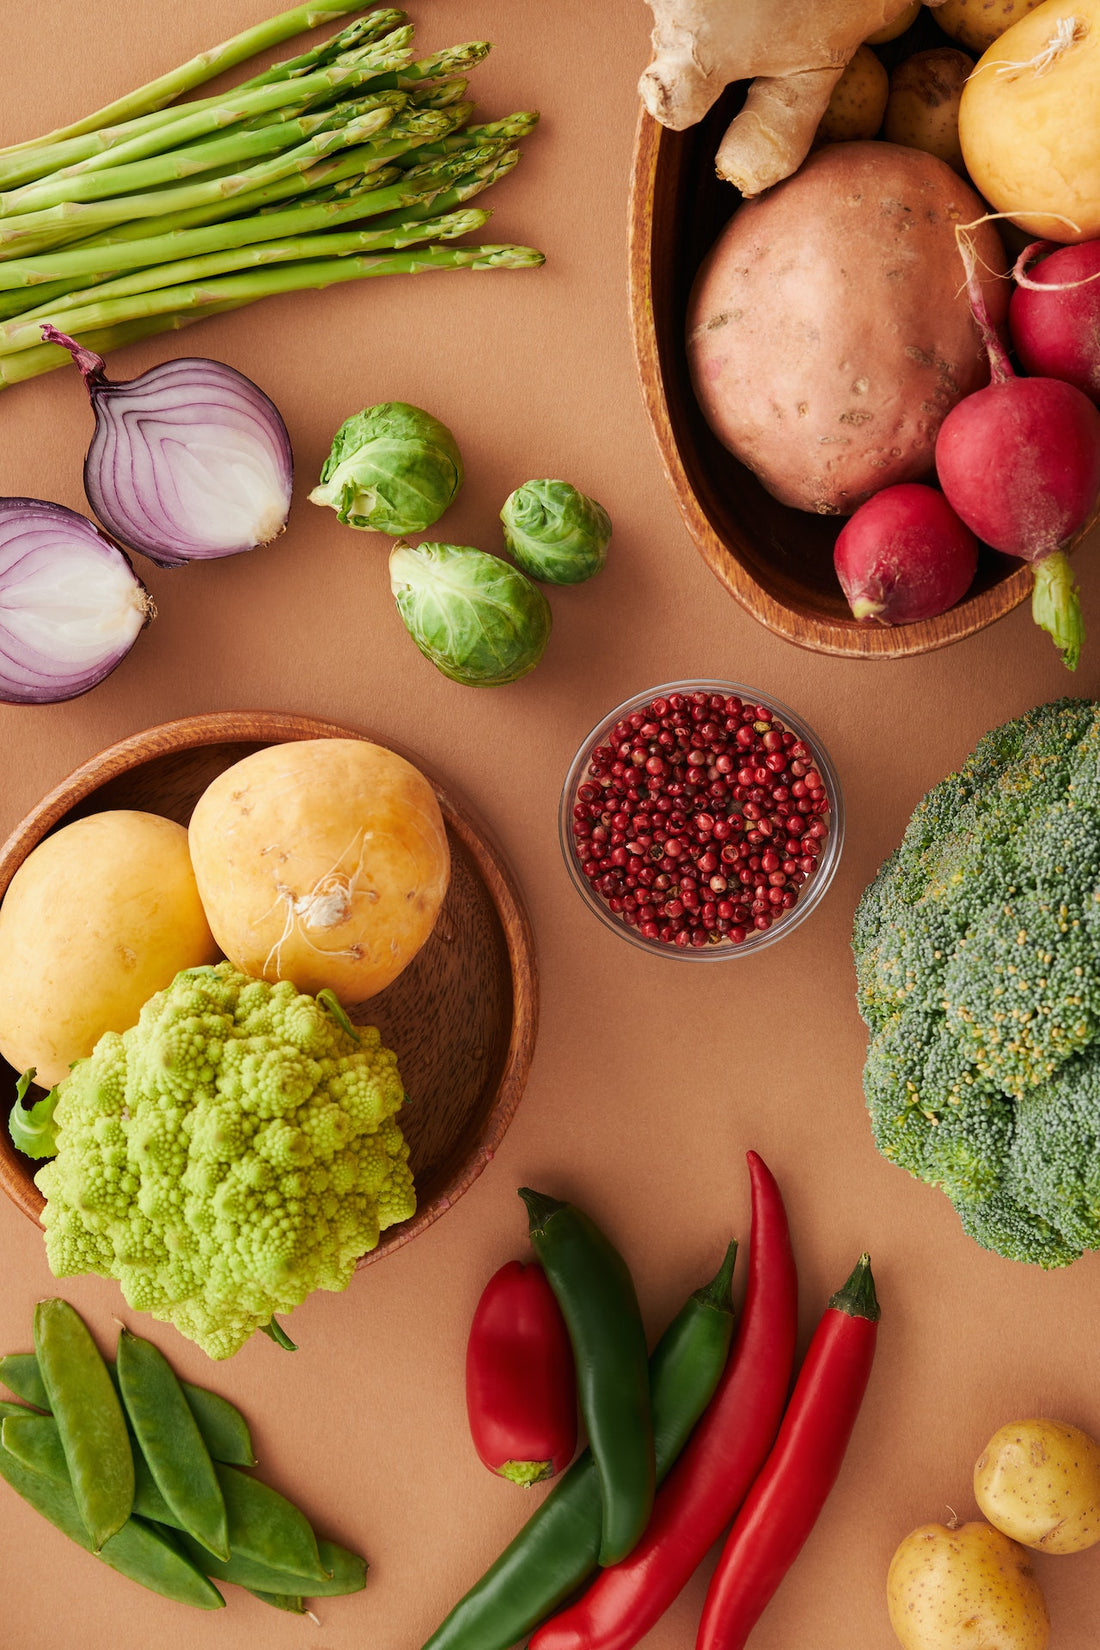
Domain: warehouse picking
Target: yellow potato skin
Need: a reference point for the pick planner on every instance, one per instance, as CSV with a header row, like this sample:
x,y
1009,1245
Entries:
x,y
323,862
1027,122
922,110
858,102
99,916
977,23
1039,1482
969,1588
890,31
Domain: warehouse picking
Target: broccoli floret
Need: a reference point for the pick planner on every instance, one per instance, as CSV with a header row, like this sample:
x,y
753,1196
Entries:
x,y
977,953
230,1153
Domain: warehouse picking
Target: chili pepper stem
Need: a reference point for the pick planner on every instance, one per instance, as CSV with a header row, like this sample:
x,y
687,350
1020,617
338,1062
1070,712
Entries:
x,y
857,1296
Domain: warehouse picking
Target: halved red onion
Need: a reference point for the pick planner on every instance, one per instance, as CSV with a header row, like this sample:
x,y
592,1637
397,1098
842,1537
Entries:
x,y
188,462
71,606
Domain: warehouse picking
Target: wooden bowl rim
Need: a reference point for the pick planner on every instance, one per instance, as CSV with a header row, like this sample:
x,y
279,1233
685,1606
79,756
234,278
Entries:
x,y
850,638
274,727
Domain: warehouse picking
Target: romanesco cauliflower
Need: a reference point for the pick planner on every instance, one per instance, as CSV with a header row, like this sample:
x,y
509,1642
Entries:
x,y
977,953
233,1151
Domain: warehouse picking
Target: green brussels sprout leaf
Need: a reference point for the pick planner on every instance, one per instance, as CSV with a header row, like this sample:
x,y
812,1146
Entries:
x,y
393,468
556,533
478,619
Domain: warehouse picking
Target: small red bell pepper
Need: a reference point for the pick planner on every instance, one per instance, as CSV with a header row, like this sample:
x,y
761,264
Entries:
x,y
521,1384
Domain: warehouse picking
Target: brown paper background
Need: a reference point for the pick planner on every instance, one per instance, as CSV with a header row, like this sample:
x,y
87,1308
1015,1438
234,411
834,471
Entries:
x,y
651,1078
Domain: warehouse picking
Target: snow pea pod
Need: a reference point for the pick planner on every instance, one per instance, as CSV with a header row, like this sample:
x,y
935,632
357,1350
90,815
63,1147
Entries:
x,y
347,1571
598,1301
558,1548
19,1373
35,1443
265,1526
138,1550
169,1438
223,1427
89,1418
281,1601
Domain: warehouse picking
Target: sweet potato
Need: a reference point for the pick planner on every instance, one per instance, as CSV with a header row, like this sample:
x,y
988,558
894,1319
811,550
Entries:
x,y
829,332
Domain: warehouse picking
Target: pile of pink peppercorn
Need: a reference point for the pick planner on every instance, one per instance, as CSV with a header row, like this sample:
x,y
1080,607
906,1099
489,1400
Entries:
x,y
700,820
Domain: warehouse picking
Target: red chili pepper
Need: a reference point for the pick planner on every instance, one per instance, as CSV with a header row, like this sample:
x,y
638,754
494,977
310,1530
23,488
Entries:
x,y
782,1506
521,1384
725,1452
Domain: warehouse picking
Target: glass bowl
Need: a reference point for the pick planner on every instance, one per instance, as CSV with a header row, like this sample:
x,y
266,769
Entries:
x,y
714,825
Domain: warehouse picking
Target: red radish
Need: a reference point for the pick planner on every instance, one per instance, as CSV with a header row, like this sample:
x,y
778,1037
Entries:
x,y
1020,463
1054,313
904,555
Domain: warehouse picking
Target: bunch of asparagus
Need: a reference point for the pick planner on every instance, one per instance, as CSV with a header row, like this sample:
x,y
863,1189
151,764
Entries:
x,y
351,160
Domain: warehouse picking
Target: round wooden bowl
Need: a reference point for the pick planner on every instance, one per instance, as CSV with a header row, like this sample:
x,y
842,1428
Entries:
x,y
461,1017
776,561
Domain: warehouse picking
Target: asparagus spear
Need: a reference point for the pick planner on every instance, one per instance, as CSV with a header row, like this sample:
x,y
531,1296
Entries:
x,y
157,129
235,149
26,330
156,93
36,282
36,231
315,273
285,100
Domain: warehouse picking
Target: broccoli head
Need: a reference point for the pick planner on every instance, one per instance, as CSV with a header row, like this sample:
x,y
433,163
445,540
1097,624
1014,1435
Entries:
x,y
977,951
233,1151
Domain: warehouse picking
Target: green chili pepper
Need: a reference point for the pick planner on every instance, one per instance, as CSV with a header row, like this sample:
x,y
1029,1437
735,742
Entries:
x,y
596,1294
347,1571
89,1418
138,1550
224,1429
558,1548
169,1438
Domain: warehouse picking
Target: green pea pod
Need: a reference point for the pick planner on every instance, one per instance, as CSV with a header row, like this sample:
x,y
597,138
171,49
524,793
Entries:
x,y
224,1429
89,1418
347,1571
598,1301
557,1550
280,1601
34,1441
137,1550
265,1526
19,1373
169,1438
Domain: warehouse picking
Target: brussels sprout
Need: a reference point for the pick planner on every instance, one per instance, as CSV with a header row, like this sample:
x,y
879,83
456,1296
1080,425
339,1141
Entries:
x,y
392,468
479,620
556,533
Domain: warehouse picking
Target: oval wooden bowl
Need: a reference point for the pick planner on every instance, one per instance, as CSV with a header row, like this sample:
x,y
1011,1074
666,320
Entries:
x,y
461,1017
776,561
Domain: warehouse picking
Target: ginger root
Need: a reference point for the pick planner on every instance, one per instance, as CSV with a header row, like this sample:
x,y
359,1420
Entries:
x,y
793,51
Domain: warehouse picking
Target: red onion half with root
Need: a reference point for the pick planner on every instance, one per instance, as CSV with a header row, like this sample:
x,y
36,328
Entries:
x,y
71,606
189,462
1019,461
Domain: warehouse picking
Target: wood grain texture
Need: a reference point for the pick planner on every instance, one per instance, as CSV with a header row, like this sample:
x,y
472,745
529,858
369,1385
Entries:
x,y
462,1017
776,561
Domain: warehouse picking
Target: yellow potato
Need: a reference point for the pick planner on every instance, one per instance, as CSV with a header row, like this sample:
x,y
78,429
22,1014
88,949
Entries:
x,y
98,917
977,23
969,1588
890,31
858,102
922,110
323,862
1039,1482
1028,122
